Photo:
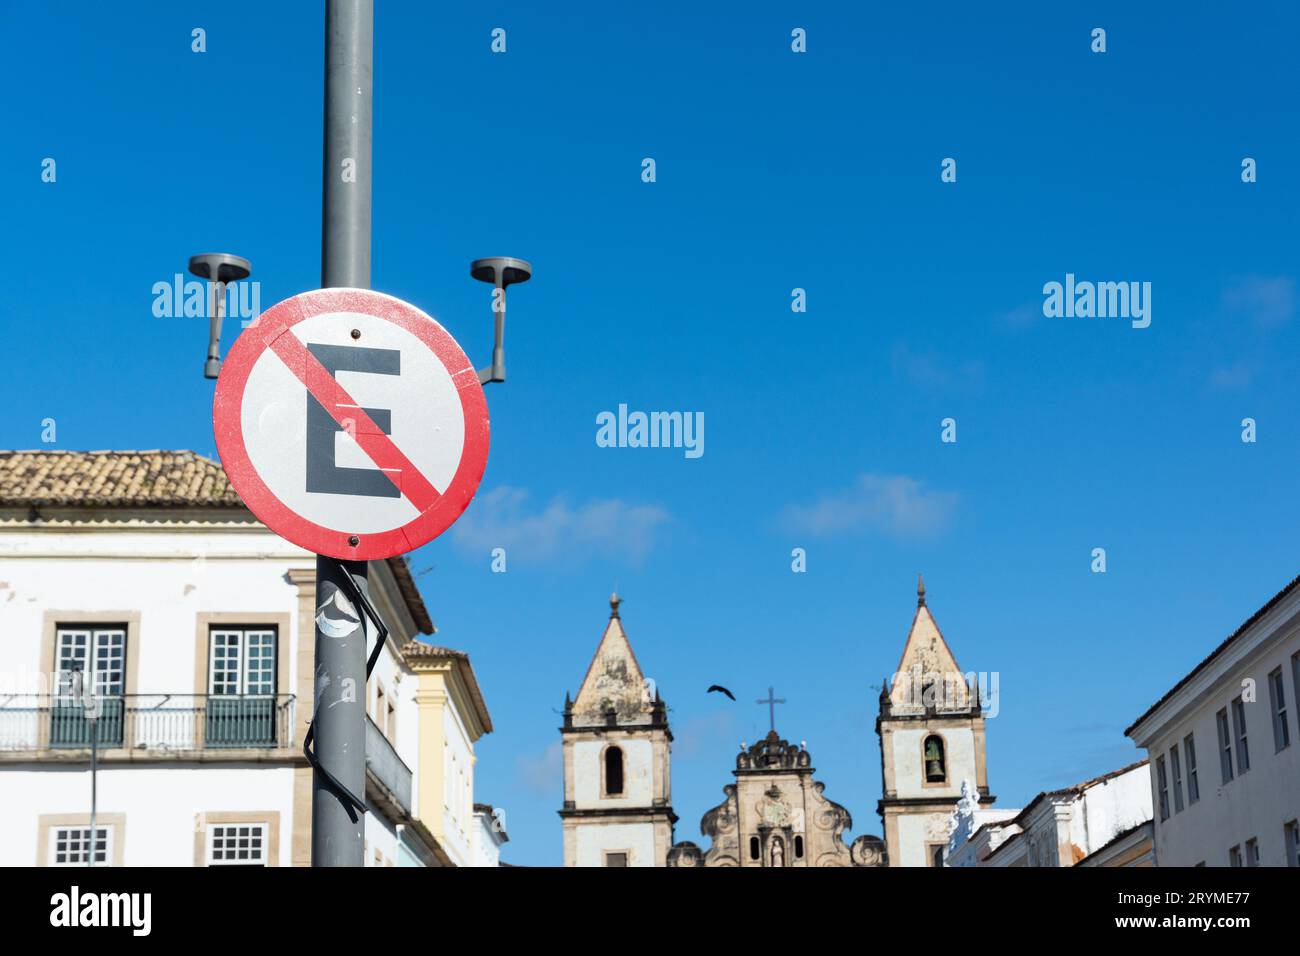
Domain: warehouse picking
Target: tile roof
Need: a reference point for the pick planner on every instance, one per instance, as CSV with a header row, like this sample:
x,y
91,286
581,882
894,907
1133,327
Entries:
x,y
150,479
1088,784
1217,651
113,478
422,649
1019,818
411,594
415,651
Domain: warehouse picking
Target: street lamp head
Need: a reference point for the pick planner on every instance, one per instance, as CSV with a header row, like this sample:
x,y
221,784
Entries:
x,y
500,271
218,268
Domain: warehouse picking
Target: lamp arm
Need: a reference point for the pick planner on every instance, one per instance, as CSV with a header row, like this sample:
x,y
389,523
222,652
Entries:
x,y
496,372
216,313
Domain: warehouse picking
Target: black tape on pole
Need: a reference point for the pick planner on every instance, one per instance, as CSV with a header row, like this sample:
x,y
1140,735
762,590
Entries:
x,y
358,598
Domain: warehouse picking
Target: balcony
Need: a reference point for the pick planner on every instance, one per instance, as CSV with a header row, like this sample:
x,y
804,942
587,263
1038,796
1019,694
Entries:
x,y
385,768
152,723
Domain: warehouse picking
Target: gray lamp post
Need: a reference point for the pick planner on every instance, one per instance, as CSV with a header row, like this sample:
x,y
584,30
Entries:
x,y
218,268
92,715
501,271
83,692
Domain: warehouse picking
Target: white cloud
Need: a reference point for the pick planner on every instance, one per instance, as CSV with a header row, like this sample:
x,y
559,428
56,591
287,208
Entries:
x,y
933,371
542,775
896,505
609,528
1267,301
1021,317
700,733
1231,376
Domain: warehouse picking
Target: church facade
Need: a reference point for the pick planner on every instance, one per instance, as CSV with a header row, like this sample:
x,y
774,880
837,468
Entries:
x,y
617,749
776,814
931,730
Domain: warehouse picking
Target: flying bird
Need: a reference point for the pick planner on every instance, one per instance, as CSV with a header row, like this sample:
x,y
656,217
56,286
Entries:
x,y
719,687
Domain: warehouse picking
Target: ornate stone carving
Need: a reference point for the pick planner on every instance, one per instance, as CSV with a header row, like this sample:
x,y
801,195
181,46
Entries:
x,y
772,810
868,850
772,753
776,814
685,853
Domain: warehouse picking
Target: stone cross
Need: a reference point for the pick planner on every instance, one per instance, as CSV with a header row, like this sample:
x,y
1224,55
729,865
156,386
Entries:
x,y
771,702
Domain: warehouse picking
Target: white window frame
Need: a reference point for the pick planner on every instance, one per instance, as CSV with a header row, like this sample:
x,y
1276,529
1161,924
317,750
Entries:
x,y
1224,729
1239,730
98,643
106,829
1193,778
1277,698
264,831
1176,777
218,639
1295,684
1162,788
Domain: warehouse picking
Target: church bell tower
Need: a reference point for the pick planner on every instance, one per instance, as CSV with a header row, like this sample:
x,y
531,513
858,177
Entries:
x,y
931,731
617,793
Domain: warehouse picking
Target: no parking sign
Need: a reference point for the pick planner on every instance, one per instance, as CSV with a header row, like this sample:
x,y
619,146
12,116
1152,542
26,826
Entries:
x,y
351,423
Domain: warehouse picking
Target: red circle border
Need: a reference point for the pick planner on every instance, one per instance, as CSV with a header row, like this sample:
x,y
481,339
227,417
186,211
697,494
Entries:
x,y
227,423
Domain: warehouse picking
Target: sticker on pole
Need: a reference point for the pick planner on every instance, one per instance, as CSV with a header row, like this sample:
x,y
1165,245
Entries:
x,y
351,423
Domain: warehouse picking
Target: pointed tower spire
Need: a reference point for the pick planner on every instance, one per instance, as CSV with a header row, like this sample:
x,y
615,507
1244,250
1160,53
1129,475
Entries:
x,y
617,753
929,704
614,680
927,660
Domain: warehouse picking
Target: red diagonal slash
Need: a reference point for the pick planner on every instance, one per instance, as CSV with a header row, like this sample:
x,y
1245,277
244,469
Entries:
x,y
326,389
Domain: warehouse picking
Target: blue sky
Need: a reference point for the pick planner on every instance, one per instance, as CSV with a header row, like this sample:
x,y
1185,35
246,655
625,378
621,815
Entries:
x,y
774,171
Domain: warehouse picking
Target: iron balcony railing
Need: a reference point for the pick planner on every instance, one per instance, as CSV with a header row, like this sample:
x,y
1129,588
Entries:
x,y
152,722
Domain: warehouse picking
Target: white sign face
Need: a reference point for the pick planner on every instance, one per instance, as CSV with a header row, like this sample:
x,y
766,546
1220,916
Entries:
x,y
351,423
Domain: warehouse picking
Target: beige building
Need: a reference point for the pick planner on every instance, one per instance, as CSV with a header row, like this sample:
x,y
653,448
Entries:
x,y
776,815
617,746
931,730
617,785
451,716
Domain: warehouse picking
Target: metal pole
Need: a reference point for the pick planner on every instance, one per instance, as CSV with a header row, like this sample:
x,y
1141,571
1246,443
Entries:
x,y
345,234
336,838
216,316
94,788
499,331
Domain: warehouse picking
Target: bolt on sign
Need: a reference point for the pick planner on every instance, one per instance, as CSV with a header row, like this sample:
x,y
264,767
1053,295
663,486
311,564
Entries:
x,y
351,423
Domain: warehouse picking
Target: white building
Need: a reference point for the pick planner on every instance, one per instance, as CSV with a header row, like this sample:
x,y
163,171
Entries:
x,y
489,834
1223,748
1058,827
142,575
1134,847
